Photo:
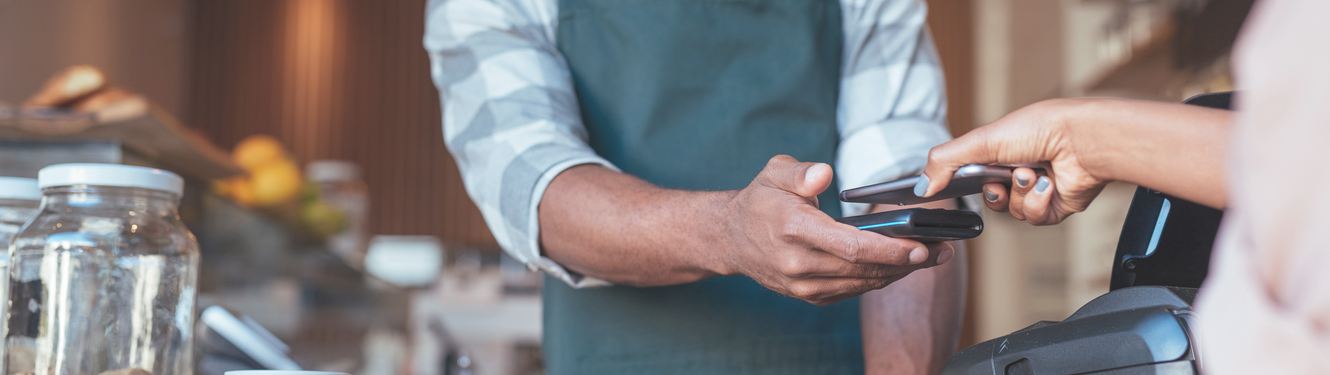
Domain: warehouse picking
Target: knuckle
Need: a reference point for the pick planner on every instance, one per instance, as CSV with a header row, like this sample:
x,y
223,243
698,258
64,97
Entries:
x,y
765,176
774,164
1035,220
794,267
852,249
863,270
874,284
891,271
935,155
1017,211
897,255
806,291
791,231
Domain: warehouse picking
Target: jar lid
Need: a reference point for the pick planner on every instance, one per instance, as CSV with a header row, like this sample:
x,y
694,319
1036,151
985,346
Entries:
x,y
331,171
19,188
110,175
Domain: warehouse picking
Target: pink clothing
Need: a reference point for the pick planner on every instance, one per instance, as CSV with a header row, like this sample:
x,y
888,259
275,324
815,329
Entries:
x,y
1265,308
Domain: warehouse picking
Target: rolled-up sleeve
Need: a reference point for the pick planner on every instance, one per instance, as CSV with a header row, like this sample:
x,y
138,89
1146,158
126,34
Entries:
x,y
893,103
510,118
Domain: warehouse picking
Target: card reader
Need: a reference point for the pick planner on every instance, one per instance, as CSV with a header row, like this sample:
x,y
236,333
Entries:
x,y
921,224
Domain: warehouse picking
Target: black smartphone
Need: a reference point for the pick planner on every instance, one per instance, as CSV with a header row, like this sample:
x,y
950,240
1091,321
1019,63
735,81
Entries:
x,y
921,224
967,180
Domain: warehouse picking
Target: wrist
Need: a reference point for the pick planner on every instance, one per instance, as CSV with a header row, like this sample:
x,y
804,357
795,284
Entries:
x,y
724,229
1083,121
698,231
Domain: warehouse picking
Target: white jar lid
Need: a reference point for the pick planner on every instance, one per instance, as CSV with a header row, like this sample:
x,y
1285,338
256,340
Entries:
x,y
19,188
110,175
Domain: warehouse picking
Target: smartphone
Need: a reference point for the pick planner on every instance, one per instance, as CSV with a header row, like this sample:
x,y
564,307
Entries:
x,y
921,224
967,180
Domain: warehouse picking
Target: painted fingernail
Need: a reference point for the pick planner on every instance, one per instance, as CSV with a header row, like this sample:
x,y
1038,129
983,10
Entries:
x,y
1042,185
990,196
918,255
945,256
811,174
1022,182
921,187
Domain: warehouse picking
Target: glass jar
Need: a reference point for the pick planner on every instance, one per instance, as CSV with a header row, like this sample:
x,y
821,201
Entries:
x,y
339,185
103,278
19,198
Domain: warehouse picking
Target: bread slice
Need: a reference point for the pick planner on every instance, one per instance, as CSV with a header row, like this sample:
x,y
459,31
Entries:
x,y
68,85
112,104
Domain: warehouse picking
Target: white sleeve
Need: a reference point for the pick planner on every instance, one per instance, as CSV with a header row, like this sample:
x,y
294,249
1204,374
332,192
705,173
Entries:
x,y
510,117
893,103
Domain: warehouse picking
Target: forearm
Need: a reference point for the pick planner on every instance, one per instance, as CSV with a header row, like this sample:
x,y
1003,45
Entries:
x,y
1174,148
621,229
912,326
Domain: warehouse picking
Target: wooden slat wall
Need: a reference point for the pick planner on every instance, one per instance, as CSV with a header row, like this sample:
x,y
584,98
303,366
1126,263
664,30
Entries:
x,y
952,25
335,79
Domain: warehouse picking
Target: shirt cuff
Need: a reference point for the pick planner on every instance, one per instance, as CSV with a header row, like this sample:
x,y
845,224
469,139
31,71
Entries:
x,y
885,152
534,257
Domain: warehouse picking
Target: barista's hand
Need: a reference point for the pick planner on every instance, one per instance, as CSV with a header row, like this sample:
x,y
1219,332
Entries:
x,y
1039,133
779,238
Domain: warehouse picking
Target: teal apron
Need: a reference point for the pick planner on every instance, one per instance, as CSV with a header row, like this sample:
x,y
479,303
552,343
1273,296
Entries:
x,y
698,95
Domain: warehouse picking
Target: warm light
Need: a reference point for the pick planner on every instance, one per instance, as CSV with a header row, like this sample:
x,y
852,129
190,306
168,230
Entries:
x,y
313,60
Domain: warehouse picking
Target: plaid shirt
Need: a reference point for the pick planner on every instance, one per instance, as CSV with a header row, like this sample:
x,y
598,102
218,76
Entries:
x,y
512,123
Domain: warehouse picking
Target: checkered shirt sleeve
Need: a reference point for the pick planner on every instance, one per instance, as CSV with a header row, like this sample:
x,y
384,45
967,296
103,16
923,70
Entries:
x,y
510,118
893,103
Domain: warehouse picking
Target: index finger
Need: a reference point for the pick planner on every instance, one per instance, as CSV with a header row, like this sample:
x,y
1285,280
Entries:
x,y
858,246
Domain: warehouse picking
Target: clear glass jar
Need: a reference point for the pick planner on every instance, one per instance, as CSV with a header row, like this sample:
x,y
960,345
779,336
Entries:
x,y
19,198
13,214
340,185
103,279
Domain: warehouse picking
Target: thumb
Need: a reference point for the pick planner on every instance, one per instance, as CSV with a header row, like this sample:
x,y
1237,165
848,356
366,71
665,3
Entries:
x,y
946,158
804,179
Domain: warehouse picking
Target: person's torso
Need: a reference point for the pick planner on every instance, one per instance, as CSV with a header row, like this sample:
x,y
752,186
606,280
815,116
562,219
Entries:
x,y
698,95
1266,300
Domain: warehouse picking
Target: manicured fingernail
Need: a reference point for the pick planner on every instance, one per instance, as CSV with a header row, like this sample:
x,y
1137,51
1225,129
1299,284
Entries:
x,y
1042,185
990,196
945,256
921,187
1022,182
811,174
918,255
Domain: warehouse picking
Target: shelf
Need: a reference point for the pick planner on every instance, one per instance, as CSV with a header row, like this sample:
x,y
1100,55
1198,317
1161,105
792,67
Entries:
x,y
1148,70
155,134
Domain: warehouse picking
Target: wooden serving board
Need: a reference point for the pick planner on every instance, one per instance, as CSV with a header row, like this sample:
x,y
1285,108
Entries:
x,y
155,134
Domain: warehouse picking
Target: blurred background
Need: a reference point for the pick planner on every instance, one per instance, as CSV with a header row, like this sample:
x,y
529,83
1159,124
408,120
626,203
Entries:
x,y
310,134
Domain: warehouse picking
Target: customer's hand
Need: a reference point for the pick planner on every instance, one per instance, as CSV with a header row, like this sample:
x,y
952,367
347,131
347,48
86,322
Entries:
x,y
1039,133
779,238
